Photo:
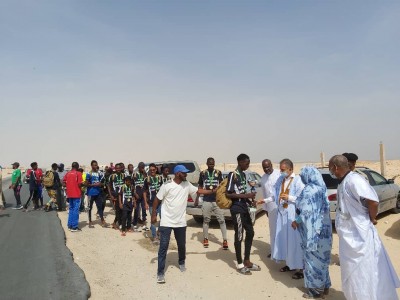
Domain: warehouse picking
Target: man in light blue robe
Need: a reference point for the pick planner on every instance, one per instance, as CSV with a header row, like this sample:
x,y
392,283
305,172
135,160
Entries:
x,y
315,227
287,245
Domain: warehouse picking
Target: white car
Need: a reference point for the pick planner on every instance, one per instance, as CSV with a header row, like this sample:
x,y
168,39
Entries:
x,y
387,190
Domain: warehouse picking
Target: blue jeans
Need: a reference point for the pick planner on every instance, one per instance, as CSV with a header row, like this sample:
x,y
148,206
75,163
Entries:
x,y
139,206
73,216
165,235
152,227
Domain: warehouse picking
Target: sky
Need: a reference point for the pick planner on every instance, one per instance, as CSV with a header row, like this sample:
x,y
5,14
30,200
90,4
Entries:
x,y
165,80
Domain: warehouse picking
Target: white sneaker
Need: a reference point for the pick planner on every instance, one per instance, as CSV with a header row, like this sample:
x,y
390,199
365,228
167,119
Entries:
x,y
136,229
182,268
145,228
160,279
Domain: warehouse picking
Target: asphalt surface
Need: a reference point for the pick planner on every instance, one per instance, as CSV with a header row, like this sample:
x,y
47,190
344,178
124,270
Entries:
x,y
34,261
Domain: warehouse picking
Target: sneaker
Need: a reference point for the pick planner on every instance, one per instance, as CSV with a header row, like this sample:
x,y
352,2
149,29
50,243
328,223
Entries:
x,y
182,268
137,229
76,229
18,207
205,243
225,245
145,228
160,279
156,241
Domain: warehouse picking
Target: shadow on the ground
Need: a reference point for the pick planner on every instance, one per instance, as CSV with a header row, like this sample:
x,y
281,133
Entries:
x,y
262,249
83,224
394,230
4,215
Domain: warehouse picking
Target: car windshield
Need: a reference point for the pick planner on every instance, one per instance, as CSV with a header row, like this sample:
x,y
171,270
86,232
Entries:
x,y
330,182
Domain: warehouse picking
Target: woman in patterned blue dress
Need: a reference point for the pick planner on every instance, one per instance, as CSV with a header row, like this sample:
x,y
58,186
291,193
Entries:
x,y
315,228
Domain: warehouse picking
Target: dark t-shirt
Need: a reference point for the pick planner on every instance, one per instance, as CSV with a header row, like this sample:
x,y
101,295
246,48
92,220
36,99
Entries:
x,y
117,181
127,196
138,179
237,184
152,186
209,180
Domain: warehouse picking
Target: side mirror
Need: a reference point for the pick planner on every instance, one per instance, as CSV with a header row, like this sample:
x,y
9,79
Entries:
x,y
390,181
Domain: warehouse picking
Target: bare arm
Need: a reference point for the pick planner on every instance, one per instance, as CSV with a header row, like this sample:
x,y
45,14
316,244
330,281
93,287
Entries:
x,y
372,210
156,202
239,196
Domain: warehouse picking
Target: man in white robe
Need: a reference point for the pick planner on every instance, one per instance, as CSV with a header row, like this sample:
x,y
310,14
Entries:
x,y
268,181
287,245
366,269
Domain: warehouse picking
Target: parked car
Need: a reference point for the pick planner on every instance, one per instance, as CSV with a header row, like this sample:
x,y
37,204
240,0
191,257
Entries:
x,y
192,166
197,214
387,190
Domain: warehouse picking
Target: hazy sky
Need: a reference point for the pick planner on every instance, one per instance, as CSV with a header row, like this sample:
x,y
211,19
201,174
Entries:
x,y
158,80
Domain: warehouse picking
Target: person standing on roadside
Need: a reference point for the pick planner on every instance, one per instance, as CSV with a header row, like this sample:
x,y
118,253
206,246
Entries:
x,y
165,174
315,227
60,192
73,183
174,197
141,205
16,184
2,200
268,181
114,189
152,185
366,269
52,190
34,176
287,246
210,179
94,183
126,202
241,200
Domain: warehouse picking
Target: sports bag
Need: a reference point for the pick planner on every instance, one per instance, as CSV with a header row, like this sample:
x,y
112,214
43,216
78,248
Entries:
x,y
221,199
48,179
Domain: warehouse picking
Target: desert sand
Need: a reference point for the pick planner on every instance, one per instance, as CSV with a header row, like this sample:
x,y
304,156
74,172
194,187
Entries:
x,y
119,267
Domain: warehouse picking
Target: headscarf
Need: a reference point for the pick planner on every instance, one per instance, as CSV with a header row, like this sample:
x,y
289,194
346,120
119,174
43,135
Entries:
x,y
312,205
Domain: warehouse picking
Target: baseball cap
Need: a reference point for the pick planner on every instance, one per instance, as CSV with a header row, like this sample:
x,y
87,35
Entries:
x,y
180,168
15,164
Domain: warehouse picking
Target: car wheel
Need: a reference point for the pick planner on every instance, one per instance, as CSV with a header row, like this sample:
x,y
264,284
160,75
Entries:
x,y
396,209
198,219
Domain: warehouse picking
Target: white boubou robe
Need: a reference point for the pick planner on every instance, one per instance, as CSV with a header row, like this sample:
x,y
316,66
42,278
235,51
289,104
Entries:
x,y
287,245
366,269
268,187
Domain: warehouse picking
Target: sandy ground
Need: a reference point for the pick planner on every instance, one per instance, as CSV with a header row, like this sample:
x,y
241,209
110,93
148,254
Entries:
x,y
125,267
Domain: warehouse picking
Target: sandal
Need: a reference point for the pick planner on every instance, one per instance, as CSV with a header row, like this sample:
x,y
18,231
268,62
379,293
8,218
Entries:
x,y
254,267
284,269
244,271
298,275
123,233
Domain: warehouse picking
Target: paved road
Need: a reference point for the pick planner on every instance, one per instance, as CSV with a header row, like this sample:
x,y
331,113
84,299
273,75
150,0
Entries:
x,y
34,261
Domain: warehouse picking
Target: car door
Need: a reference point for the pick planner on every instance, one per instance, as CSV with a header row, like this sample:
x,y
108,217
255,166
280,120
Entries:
x,y
387,197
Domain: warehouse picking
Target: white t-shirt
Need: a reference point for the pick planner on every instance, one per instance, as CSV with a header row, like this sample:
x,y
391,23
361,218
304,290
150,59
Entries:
x,y
174,199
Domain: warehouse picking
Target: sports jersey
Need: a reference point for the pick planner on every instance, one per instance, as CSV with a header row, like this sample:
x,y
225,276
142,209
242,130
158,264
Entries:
x,y
152,186
209,180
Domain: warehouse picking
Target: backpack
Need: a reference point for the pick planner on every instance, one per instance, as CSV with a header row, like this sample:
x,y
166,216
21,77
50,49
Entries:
x,y
48,179
221,199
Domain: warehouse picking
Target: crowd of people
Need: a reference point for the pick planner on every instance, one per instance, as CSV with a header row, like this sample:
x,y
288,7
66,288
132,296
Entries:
x,y
297,208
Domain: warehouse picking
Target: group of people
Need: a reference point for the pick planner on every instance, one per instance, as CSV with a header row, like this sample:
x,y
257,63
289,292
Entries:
x,y
297,209
301,229
36,179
